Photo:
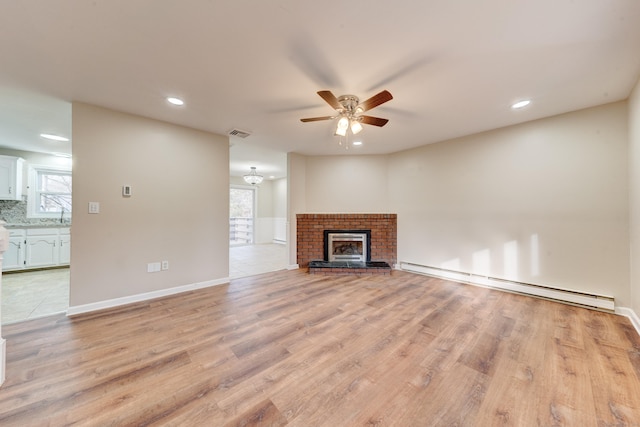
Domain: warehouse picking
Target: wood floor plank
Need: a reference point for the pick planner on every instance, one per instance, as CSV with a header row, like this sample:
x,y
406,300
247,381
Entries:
x,y
368,406
451,398
289,348
615,383
569,400
521,375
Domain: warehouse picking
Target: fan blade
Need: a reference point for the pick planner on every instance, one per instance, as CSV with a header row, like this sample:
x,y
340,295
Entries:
x,y
330,98
376,121
375,100
317,119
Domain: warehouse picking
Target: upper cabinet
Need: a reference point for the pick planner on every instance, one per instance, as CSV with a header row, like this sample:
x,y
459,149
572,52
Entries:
x,y
11,178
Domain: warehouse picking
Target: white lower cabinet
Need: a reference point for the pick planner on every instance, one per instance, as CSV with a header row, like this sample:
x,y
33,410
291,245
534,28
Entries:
x,y
65,247
42,249
37,247
14,256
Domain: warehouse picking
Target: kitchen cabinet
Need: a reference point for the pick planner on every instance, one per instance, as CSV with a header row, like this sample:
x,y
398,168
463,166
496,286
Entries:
x,y
11,178
37,248
65,247
14,256
41,247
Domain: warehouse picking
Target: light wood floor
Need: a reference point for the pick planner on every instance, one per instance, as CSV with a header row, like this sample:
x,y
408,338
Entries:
x,y
288,348
32,294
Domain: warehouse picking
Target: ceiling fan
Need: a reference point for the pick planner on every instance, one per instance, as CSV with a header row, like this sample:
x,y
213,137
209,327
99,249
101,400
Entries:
x,y
350,109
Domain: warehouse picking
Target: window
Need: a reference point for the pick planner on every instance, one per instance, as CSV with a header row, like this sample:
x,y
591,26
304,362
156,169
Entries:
x,y
241,214
49,192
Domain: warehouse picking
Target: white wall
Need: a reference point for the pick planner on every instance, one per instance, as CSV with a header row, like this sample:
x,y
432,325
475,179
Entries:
x,y
634,195
178,212
265,200
297,201
280,210
264,216
346,184
543,202
280,198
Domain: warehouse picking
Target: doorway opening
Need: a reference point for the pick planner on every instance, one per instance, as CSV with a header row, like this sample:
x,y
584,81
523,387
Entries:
x,y
35,279
242,207
257,242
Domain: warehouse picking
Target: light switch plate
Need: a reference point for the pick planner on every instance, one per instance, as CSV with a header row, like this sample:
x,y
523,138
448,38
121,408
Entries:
x,y
94,207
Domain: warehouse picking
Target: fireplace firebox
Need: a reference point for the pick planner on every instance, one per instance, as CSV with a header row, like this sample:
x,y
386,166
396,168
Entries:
x,y
347,245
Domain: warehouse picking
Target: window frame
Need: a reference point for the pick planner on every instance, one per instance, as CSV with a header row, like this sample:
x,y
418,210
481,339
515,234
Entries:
x,y
34,193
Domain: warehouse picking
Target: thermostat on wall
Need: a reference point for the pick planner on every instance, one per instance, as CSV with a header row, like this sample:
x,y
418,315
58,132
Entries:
x,y
126,190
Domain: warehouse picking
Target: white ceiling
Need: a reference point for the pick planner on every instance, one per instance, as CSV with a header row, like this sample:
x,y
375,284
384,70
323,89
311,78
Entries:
x,y
453,67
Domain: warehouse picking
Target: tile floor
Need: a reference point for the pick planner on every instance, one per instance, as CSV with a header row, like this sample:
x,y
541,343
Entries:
x,y
35,294
256,259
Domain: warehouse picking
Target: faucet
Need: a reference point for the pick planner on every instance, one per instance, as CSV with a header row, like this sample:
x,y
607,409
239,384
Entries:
x,y
61,215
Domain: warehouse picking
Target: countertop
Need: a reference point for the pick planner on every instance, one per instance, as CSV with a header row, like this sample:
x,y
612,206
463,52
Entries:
x,y
31,225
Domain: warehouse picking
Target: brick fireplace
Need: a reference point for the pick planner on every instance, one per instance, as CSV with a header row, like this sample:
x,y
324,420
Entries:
x,y
310,237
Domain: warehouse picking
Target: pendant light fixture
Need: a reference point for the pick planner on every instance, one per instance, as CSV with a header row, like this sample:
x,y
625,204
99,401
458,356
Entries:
x,y
252,177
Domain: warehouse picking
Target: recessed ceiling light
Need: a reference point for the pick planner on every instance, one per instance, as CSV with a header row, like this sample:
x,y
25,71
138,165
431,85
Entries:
x,y
272,177
175,101
62,155
54,137
521,104
357,142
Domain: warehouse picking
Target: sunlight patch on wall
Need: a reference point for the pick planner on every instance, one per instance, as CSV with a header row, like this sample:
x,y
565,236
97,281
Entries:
x,y
511,259
452,264
535,255
482,262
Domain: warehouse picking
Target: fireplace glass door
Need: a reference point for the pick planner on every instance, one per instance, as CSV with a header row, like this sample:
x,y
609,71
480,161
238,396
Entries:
x,y
347,247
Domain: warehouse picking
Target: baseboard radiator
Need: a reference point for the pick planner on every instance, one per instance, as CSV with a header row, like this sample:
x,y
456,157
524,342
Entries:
x,y
582,299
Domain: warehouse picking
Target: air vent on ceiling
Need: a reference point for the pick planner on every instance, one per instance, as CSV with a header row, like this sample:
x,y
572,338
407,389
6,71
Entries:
x,y
239,133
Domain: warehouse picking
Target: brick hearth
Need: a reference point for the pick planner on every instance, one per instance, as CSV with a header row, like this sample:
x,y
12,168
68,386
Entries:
x,y
310,237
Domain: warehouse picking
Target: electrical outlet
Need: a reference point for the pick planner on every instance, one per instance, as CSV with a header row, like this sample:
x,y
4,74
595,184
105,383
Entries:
x,y
94,207
165,265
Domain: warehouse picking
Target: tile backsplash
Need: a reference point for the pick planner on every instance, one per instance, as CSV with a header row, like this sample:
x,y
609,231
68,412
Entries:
x,y
14,212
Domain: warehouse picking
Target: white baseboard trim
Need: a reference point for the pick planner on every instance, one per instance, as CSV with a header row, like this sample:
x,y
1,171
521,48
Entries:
x,y
101,305
633,317
602,302
293,266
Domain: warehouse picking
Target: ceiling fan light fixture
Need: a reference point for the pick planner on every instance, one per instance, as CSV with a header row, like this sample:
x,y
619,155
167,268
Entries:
x,y
356,127
343,125
349,109
341,131
252,177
